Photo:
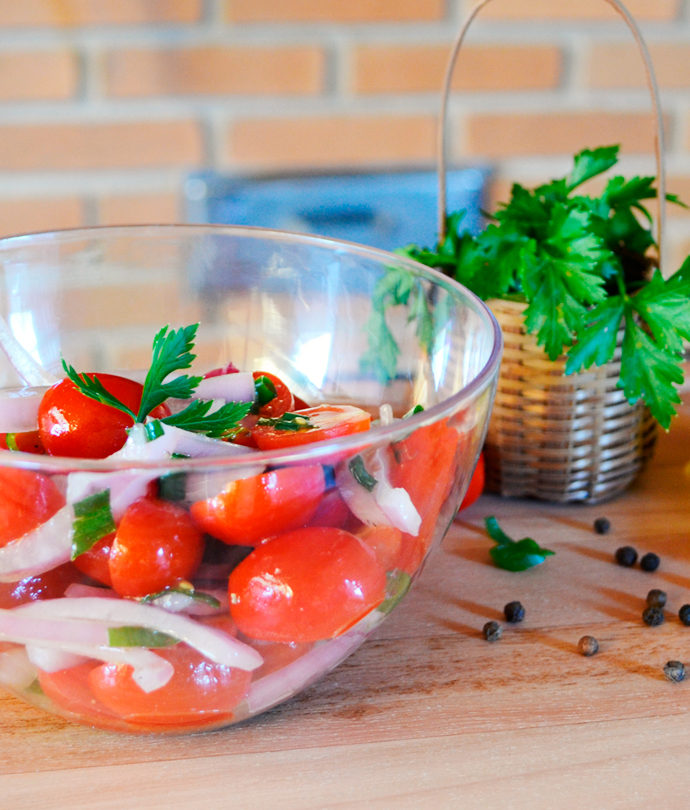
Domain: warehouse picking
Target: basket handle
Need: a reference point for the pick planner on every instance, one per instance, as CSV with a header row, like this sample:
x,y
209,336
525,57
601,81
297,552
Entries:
x,y
659,151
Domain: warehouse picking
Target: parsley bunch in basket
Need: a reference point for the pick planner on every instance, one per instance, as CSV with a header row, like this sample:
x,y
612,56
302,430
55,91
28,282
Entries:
x,y
585,267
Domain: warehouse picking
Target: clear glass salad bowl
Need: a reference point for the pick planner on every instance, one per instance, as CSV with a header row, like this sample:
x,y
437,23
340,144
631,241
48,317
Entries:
x,y
192,545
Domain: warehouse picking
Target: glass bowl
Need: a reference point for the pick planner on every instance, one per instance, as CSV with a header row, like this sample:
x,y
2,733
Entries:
x,y
190,583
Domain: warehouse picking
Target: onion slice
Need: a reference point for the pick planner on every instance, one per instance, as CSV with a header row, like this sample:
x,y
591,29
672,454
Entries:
x,y
39,550
210,642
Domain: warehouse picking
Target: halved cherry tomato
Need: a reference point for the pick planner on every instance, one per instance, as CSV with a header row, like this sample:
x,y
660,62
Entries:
x,y
70,691
199,693
322,422
249,510
26,441
72,424
95,562
49,585
27,499
305,585
283,399
476,485
156,545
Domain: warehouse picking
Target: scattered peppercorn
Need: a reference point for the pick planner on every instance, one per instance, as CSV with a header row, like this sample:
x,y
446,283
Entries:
x,y
492,631
653,616
684,615
649,562
514,612
588,645
602,525
656,598
626,555
674,671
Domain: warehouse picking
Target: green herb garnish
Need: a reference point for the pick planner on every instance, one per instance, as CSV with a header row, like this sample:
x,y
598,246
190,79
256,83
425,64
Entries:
x,y
265,390
287,421
514,555
397,585
185,590
93,520
127,636
360,473
582,264
171,352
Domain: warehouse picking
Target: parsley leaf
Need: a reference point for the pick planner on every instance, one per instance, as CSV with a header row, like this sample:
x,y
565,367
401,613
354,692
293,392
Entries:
x,y
514,555
196,417
171,352
91,387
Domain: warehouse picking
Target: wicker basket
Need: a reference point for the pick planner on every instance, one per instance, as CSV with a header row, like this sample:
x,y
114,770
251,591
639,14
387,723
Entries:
x,y
554,436
558,437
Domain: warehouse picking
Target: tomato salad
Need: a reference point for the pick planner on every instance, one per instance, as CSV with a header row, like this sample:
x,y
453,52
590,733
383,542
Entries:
x,y
145,601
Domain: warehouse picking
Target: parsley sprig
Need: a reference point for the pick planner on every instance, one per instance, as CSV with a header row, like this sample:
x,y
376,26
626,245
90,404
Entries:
x,y
171,352
584,265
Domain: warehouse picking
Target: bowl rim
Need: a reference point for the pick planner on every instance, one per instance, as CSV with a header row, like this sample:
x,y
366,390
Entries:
x,y
377,434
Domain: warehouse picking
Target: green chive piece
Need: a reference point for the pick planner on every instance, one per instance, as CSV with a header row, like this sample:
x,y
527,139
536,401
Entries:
x,y
265,390
127,636
360,473
153,430
93,520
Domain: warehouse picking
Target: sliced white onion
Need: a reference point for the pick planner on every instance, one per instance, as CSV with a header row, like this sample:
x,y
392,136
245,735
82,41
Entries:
x,y
176,602
40,550
16,671
235,387
19,409
386,414
210,642
77,590
125,487
51,660
384,504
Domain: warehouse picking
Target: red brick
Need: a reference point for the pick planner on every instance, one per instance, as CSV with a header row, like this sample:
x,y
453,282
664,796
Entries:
x,y
74,13
495,135
337,141
620,65
213,71
395,69
135,144
139,209
38,75
28,215
347,11
578,10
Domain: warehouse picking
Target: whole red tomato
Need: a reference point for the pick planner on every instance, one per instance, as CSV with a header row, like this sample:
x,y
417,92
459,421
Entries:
x,y
156,545
72,424
27,499
305,585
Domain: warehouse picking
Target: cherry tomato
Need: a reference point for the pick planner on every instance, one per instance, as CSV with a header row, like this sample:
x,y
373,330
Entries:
x,y
95,562
200,692
71,424
424,464
249,510
70,691
476,485
49,585
386,543
324,422
156,545
281,402
27,441
305,585
27,499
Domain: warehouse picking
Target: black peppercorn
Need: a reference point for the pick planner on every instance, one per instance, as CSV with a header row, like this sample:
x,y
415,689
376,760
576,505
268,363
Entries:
x,y
602,525
653,616
588,645
514,612
684,615
649,562
656,598
626,555
492,631
674,671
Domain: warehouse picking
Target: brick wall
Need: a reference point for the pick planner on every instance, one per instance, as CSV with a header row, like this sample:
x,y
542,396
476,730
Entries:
x,y
106,106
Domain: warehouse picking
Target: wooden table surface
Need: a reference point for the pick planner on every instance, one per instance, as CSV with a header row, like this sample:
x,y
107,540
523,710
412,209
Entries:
x,y
429,714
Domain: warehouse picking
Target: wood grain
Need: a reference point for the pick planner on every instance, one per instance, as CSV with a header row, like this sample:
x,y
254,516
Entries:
x,y
427,713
